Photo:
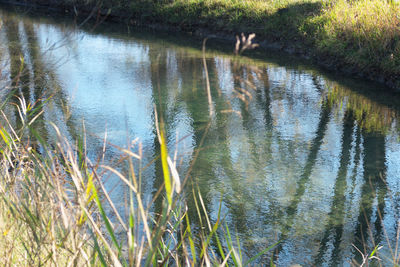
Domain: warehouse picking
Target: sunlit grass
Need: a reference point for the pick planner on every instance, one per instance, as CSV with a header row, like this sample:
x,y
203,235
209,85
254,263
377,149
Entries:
x,y
364,33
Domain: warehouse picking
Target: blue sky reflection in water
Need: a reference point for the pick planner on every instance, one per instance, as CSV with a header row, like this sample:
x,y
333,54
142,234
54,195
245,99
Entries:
x,y
296,155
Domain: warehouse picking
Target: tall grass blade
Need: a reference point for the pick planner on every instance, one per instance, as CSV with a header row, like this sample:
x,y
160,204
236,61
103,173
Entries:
x,y
260,254
97,248
106,221
191,243
164,163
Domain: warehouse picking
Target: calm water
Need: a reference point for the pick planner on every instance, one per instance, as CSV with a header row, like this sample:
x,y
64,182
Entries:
x,y
294,154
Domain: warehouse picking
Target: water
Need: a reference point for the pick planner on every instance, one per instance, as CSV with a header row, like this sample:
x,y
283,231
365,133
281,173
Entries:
x,y
293,154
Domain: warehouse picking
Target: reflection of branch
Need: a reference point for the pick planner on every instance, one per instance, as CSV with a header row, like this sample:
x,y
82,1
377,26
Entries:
x,y
99,19
87,18
245,42
210,107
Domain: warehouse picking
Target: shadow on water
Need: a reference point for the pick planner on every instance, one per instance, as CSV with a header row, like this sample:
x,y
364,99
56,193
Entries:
x,y
296,155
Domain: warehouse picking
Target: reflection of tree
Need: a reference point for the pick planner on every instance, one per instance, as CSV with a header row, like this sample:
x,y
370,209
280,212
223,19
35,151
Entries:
x,y
33,77
373,120
373,189
291,210
38,78
334,228
207,159
203,159
189,71
265,104
311,159
260,153
19,74
263,101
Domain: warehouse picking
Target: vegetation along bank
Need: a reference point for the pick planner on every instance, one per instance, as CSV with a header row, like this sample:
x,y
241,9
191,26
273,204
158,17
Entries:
x,y
361,38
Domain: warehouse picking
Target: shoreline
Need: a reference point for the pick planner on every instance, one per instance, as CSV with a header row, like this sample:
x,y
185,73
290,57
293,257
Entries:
x,y
136,17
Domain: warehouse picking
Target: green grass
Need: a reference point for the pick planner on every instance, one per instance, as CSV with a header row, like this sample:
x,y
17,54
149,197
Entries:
x,y
365,34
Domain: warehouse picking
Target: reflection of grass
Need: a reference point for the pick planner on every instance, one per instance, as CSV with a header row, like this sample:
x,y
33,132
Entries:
x,y
370,115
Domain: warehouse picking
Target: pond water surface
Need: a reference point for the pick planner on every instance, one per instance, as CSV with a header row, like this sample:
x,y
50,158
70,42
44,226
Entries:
x,y
295,155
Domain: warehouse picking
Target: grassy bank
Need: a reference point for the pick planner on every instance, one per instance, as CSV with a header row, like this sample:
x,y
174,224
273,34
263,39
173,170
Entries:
x,y
358,37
